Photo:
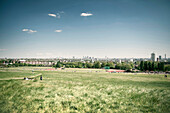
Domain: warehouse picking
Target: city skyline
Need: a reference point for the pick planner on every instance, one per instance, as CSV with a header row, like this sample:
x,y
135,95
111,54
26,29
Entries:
x,y
98,28
157,56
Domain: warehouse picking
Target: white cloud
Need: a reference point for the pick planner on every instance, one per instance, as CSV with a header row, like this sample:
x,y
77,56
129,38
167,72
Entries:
x,y
3,49
86,14
53,15
25,30
57,15
58,31
32,31
29,30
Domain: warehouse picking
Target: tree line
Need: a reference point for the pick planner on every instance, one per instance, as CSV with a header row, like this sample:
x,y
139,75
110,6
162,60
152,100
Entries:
x,y
96,64
142,65
129,66
152,66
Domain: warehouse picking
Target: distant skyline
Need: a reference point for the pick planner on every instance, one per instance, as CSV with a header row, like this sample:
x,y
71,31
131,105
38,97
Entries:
x,y
96,28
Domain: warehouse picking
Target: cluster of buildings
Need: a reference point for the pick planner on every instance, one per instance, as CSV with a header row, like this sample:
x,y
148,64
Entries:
x,y
45,62
53,61
158,59
37,62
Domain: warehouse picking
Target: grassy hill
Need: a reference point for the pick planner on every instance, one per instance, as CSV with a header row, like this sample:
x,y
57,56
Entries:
x,y
83,91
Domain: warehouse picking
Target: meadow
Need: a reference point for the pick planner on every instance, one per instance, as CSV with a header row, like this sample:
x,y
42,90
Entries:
x,y
82,90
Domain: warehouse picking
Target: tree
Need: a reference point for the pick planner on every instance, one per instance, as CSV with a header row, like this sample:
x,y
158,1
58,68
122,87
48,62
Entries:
x,y
149,66
80,65
103,64
167,67
16,64
156,66
89,65
122,66
141,66
118,66
145,65
159,66
132,65
162,66
127,67
110,64
10,60
58,65
2,61
97,64
153,66
67,65
84,65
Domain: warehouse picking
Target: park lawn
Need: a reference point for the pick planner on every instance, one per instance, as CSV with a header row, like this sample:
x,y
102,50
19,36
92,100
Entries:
x,y
63,91
5,75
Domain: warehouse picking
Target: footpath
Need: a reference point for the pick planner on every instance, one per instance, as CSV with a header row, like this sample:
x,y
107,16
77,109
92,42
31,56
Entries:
x,y
21,78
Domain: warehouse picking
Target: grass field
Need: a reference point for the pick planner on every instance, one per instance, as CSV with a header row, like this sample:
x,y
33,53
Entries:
x,y
79,90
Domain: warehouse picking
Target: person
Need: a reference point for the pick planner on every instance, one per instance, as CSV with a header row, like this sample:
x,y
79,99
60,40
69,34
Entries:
x,y
165,76
41,77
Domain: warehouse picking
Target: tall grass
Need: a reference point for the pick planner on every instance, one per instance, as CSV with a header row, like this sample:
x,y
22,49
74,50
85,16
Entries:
x,y
61,91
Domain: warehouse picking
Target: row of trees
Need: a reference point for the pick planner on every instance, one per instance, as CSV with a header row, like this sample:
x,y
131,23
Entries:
x,y
143,65
124,66
152,66
85,65
97,64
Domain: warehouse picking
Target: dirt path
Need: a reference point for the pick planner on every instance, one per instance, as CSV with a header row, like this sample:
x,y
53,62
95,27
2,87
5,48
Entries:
x,y
20,78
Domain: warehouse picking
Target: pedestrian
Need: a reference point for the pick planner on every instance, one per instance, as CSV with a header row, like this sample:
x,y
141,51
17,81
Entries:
x,y
41,77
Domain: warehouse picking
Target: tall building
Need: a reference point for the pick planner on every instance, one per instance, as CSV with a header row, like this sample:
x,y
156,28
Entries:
x,y
153,57
159,57
165,56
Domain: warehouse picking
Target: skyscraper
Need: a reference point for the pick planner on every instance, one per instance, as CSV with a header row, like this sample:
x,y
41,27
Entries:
x,y
153,57
159,57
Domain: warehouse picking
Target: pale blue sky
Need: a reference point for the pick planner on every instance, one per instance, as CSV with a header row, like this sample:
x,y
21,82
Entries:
x,y
116,28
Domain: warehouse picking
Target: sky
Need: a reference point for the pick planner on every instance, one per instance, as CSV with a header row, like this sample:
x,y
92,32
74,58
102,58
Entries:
x,y
97,28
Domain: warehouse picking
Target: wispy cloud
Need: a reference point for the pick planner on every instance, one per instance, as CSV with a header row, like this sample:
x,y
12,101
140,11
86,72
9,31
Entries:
x,y
25,30
61,12
86,14
29,30
53,15
3,49
57,15
58,31
32,31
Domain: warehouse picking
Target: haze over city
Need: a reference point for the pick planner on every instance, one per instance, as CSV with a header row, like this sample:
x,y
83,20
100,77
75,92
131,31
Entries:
x,y
98,28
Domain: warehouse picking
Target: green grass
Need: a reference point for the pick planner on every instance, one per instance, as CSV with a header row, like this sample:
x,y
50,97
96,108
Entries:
x,y
15,74
84,91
